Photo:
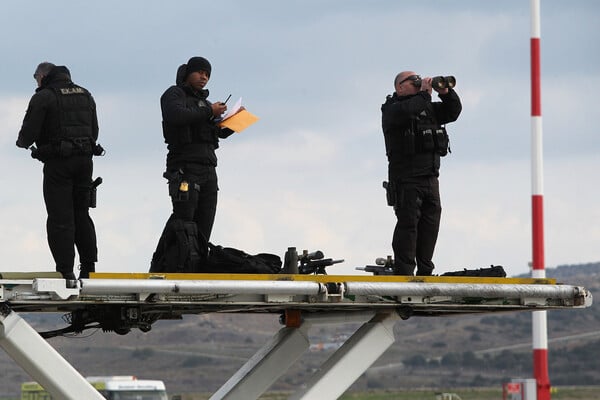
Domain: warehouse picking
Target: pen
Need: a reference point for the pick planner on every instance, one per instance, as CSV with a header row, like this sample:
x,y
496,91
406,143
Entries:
x,y
227,99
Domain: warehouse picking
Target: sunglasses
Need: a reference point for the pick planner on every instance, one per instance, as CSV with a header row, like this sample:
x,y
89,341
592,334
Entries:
x,y
414,79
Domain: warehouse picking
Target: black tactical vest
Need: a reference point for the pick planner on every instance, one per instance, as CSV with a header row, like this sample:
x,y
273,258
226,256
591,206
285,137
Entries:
x,y
421,135
76,110
414,143
200,133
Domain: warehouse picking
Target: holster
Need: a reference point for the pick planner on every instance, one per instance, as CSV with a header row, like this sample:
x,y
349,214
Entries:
x,y
390,193
94,191
179,186
43,153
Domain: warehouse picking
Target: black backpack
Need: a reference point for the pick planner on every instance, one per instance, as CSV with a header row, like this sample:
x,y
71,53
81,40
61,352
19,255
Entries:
x,y
229,260
178,249
493,271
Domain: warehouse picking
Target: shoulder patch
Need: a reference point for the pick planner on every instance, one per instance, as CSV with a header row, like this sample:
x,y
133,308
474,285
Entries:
x,y
74,90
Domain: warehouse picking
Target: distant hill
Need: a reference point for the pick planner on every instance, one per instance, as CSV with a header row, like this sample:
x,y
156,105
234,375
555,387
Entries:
x,y
200,352
569,271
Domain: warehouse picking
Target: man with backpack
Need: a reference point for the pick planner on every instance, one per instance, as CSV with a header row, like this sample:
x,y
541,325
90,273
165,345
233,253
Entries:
x,y
191,131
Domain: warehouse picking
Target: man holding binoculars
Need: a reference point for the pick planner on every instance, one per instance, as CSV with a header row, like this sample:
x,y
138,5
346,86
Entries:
x,y
415,139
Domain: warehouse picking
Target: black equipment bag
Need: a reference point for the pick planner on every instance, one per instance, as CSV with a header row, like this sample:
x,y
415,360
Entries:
x,y
493,271
178,249
229,260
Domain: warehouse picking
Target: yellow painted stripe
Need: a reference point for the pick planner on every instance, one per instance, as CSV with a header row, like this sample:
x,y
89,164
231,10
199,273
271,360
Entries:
x,y
324,278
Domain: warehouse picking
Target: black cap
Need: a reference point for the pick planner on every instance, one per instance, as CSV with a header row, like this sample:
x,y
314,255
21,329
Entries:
x,y
196,64
57,72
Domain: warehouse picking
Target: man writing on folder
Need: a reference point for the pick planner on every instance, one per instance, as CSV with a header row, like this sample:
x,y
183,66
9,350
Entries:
x,y
192,135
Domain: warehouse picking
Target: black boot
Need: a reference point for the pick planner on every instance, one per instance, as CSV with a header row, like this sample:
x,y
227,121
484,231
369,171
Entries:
x,y
85,269
68,275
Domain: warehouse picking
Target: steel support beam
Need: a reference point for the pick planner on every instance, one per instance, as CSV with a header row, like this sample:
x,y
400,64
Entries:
x,y
266,365
269,363
40,360
346,365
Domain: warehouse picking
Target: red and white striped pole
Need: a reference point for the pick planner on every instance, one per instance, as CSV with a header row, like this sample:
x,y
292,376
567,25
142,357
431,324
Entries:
x,y
539,318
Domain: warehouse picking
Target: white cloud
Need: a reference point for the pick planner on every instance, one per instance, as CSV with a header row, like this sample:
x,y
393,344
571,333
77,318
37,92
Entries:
x,y
12,111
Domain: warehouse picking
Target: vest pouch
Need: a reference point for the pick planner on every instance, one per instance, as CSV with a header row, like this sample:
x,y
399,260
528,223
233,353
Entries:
x,y
65,148
82,146
408,142
176,135
427,140
442,141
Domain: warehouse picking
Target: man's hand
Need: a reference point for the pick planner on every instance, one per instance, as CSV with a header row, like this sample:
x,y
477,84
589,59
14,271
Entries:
x,y
441,91
426,85
218,109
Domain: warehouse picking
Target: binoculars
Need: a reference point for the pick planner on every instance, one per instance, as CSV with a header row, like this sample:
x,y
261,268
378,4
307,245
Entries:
x,y
443,82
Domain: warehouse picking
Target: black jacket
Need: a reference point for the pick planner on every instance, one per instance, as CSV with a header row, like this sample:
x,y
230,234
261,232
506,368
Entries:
x,y
43,122
403,114
189,128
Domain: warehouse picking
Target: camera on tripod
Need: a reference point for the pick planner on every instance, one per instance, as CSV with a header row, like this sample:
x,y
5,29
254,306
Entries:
x,y
443,82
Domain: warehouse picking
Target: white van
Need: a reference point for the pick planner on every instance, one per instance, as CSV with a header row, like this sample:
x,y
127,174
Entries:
x,y
111,387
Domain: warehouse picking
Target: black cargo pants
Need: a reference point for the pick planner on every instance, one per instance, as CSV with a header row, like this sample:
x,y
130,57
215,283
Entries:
x,y
67,184
418,211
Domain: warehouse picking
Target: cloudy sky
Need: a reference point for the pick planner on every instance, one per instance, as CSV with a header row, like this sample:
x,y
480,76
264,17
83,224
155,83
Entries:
x,y
309,173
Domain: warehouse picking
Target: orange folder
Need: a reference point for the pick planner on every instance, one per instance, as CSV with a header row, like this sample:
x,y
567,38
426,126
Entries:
x,y
239,121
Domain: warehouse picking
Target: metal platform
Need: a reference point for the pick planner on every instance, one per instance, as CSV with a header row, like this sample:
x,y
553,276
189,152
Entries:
x,y
121,302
